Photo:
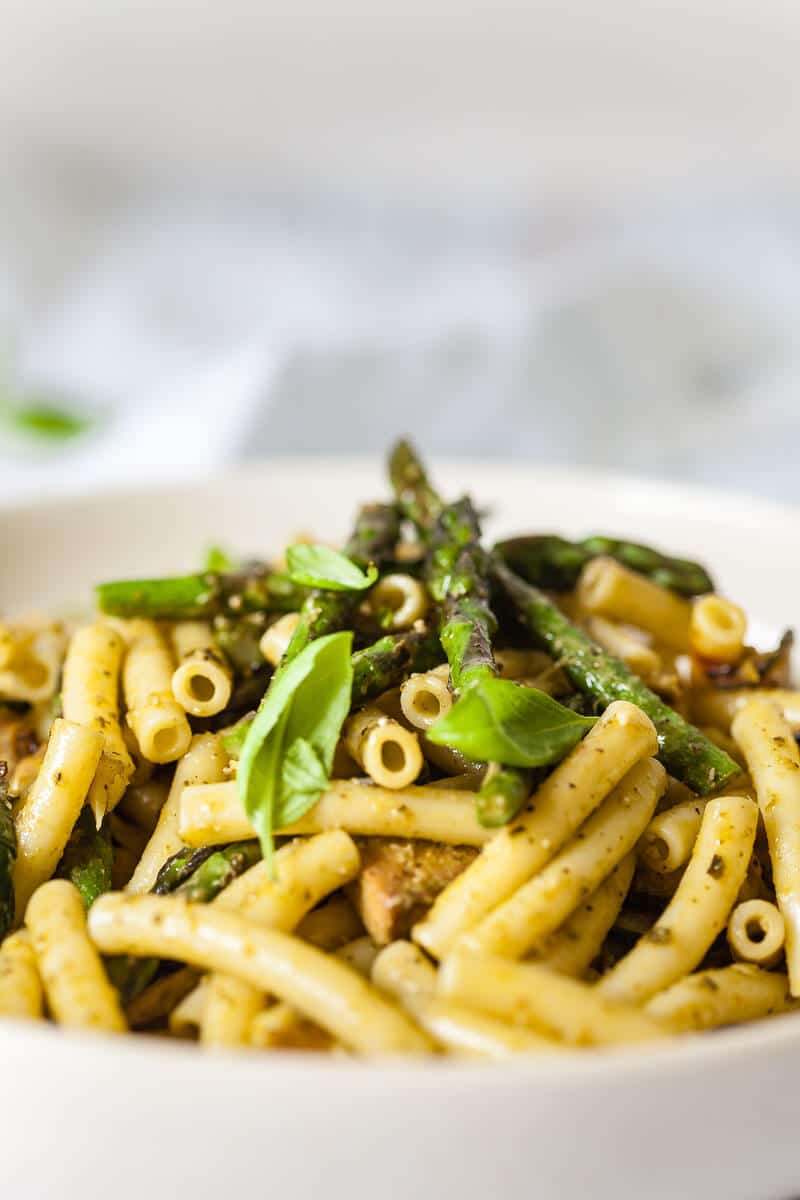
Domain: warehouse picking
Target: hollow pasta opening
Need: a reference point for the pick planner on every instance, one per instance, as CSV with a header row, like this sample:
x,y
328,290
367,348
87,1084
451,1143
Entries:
x,y
755,930
200,688
393,756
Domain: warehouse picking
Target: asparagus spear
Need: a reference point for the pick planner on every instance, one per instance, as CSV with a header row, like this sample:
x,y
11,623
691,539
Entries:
x,y
684,750
219,869
198,876
457,574
87,859
456,568
373,540
391,659
8,854
209,594
548,561
503,792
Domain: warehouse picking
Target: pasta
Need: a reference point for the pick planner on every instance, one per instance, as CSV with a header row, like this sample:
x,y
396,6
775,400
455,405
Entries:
x,y
78,992
607,589
774,763
698,910
756,933
389,754
541,905
275,640
203,763
399,600
576,944
51,808
402,971
620,739
721,996
531,995
158,721
668,840
425,698
89,689
718,707
717,629
437,814
319,986
20,985
420,796
202,681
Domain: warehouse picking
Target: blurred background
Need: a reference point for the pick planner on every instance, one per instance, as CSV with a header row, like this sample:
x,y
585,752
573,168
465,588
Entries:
x,y
567,232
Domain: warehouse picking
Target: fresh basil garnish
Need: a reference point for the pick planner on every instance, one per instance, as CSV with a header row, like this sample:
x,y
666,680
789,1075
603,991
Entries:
x,y
496,720
286,758
321,567
48,421
218,560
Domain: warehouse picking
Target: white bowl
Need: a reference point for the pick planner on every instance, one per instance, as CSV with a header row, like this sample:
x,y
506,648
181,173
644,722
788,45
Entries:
x,y
108,1119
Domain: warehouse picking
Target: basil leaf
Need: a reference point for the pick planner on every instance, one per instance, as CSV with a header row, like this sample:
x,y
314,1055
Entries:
x,y
48,421
500,721
286,758
218,560
234,738
304,778
321,567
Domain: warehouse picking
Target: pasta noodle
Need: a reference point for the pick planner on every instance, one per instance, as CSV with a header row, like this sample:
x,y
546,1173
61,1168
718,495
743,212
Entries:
x,y
541,905
202,681
607,589
215,814
402,971
275,640
399,600
204,763
574,946
89,696
668,840
53,805
622,737
20,985
534,996
719,708
157,720
721,996
304,872
618,640
774,763
699,909
30,660
426,697
756,933
78,992
717,629
388,752
326,991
